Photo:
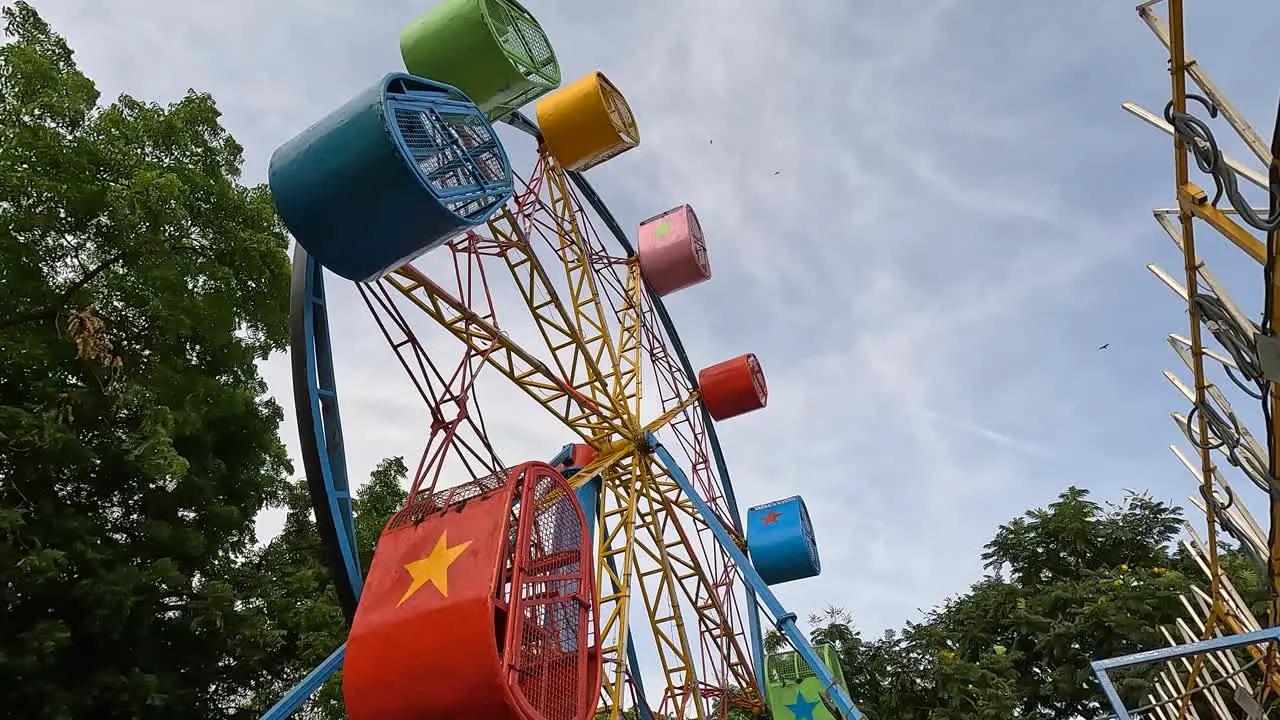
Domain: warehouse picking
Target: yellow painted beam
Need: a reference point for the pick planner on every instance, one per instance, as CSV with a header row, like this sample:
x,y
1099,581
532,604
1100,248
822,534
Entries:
x,y
1178,75
1194,200
590,421
617,520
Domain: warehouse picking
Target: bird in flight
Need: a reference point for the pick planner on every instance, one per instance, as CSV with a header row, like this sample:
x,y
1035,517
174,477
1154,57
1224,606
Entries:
x,y
1104,346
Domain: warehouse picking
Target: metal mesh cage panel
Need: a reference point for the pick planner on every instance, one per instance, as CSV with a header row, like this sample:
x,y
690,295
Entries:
x,y
554,606
539,49
426,503
524,98
457,155
505,31
695,227
619,112
523,41
789,668
609,154
479,142
807,525
699,241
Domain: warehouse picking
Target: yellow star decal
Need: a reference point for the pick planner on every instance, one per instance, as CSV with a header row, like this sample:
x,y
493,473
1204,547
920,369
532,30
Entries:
x,y
434,568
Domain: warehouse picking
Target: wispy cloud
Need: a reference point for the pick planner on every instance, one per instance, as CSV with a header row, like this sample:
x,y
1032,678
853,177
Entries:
x,y
997,437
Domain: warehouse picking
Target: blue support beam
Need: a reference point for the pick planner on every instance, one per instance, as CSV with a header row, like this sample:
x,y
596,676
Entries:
x,y
315,397
1102,668
785,621
311,683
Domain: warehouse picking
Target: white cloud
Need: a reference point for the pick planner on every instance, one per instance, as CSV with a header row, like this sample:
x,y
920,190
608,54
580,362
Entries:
x,y
958,220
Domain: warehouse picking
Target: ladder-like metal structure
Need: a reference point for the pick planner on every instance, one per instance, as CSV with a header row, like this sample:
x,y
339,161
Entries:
x,y
1219,652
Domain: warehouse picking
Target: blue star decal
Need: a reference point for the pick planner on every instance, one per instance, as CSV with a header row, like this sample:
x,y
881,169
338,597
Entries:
x,y
802,708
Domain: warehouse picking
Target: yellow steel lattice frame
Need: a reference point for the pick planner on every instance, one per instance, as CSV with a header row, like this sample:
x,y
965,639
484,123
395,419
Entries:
x,y
588,314
594,385
1193,203
590,421
558,325
658,591
691,577
620,484
628,382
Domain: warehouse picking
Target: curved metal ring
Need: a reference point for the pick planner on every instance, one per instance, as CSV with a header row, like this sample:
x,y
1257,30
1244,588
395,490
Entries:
x,y
315,400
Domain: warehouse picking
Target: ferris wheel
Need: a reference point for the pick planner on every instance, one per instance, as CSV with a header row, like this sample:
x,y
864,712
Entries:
x,y
518,587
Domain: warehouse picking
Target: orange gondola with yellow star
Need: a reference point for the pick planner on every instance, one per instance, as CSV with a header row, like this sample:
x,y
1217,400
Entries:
x,y
496,570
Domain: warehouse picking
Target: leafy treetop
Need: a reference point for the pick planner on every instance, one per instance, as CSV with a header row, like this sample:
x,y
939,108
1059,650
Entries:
x,y
142,282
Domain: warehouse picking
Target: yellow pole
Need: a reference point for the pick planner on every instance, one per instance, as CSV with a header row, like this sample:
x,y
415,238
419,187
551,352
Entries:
x,y
1177,70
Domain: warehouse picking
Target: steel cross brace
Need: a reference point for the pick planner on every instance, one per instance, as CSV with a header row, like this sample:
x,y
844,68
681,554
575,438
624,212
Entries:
x,y
1102,668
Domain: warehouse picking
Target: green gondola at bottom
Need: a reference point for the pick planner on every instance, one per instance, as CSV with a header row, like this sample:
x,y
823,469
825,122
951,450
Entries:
x,y
792,689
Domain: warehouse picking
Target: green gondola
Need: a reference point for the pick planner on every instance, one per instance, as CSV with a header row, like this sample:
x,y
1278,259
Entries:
x,y
794,692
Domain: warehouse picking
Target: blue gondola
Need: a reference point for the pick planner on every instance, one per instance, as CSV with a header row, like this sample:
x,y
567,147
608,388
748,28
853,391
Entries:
x,y
783,546
390,175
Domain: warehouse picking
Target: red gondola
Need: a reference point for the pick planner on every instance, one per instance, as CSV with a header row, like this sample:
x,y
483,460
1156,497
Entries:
x,y
479,603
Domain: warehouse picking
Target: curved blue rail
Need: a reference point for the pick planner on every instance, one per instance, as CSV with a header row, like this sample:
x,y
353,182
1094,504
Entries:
x,y
315,400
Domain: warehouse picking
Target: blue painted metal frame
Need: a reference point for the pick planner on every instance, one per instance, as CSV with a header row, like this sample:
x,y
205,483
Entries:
x,y
786,621
350,194
293,700
1102,668
480,187
315,396
783,549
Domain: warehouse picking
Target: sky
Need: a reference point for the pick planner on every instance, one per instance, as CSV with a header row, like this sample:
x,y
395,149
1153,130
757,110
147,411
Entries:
x,y
924,217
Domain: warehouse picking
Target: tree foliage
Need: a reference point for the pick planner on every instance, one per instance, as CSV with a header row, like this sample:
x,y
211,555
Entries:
x,y
142,282
1066,584
290,584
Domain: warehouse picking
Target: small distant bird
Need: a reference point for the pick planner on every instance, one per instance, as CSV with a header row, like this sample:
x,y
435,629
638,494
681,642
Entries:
x,y
711,142
777,172
1104,346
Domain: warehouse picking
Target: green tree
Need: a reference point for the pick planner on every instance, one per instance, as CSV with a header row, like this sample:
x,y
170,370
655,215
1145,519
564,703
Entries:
x,y
1066,584
291,587
142,283
1071,583
915,673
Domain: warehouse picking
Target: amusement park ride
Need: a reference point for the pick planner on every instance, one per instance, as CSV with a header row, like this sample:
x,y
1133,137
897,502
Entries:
x,y
516,591
522,591
1220,656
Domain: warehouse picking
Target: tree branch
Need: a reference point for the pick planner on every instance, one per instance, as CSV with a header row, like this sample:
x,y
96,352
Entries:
x,y
51,313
